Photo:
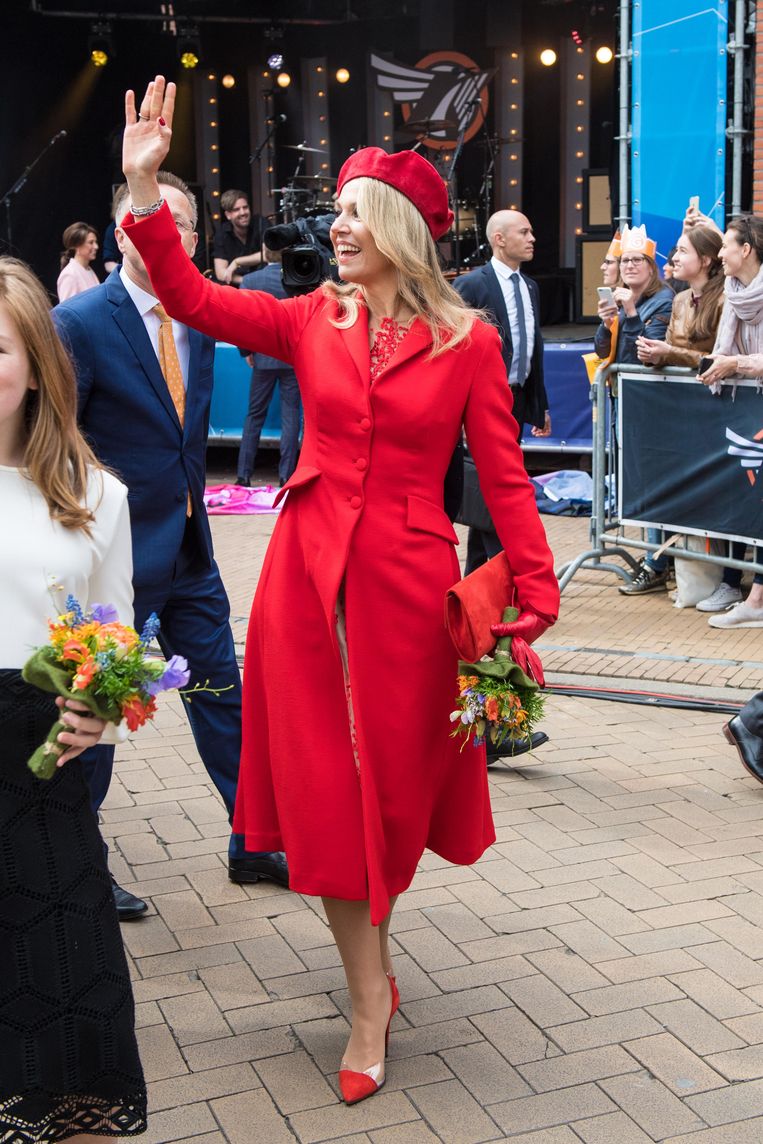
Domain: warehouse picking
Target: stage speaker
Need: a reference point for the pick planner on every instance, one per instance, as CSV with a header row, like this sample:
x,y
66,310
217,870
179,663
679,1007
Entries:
x,y
589,255
597,204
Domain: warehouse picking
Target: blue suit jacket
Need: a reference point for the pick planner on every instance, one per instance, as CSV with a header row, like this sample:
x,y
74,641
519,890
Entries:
x,y
481,288
127,414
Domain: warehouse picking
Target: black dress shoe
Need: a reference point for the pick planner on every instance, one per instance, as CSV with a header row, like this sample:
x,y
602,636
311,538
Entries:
x,y
510,749
270,865
128,906
244,482
749,746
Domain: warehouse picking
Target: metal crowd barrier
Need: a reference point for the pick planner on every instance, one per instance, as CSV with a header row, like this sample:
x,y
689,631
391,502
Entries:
x,y
607,535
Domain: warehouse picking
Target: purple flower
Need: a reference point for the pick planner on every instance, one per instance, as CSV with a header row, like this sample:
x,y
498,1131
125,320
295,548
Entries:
x,y
175,674
105,614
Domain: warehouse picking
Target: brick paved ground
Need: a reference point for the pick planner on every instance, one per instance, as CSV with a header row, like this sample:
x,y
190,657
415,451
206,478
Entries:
x,y
596,977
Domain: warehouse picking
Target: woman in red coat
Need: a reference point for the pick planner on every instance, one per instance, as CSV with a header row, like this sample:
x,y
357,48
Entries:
x,y
349,675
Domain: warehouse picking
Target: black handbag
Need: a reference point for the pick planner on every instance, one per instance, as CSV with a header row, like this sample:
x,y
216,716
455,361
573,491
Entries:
x,y
473,511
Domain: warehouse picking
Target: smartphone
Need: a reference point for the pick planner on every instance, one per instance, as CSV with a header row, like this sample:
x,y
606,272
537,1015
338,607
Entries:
x,y
694,203
606,295
704,364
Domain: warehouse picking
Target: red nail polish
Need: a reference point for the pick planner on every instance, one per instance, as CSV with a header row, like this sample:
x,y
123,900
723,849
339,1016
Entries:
x,y
161,121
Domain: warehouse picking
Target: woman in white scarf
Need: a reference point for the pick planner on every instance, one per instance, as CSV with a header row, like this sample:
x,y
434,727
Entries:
x,y
738,352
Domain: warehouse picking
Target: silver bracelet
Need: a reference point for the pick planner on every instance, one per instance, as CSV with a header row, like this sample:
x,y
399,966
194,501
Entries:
x,y
141,212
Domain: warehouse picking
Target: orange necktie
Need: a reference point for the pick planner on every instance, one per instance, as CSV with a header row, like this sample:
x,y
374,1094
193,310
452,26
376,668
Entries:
x,y
169,363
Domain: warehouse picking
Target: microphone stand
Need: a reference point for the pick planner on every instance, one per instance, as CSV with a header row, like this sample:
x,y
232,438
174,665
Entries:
x,y
453,187
257,158
19,184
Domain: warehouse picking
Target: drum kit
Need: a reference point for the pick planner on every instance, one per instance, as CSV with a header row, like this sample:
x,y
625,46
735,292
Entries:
x,y
308,196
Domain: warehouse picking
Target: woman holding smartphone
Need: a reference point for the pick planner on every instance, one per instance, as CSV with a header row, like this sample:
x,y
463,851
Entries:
x,y
642,305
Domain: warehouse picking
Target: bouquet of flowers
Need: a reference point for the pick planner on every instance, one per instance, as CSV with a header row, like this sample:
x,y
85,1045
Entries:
x,y
103,664
497,699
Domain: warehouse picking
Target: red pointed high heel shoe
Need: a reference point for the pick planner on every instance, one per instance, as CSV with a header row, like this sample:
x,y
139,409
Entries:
x,y
355,1086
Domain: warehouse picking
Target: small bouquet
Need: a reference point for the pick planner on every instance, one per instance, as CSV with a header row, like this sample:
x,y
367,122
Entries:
x,y
104,665
497,700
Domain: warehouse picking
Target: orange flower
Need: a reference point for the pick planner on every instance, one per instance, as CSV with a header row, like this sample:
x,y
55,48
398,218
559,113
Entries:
x,y
84,676
136,713
491,708
75,650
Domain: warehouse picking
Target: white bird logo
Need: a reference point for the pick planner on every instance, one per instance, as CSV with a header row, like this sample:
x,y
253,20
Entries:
x,y
446,89
749,452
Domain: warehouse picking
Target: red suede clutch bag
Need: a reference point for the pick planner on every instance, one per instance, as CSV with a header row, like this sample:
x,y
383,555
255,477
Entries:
x,y
476,602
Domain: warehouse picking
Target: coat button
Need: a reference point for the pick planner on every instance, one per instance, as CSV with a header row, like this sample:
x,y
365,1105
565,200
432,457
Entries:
x,y
365,423
361,464
355,502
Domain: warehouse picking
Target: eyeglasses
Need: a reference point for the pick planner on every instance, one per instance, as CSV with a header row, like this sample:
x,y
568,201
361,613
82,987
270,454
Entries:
x,y
636,260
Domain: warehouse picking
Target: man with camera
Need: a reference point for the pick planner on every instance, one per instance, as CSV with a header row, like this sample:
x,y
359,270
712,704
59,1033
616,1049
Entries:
x,y
267,372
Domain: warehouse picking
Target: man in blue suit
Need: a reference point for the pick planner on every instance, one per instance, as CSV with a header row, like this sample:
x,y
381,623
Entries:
x,y
513,302
267,372
151,429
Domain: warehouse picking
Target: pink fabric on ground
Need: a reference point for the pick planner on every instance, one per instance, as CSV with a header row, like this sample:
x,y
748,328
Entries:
x,y
235,500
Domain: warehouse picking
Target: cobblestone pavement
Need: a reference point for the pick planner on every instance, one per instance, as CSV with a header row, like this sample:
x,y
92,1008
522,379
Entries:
x,y
596,977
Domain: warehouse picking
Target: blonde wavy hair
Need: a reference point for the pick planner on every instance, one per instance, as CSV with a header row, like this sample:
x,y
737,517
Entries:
x,y
403,237
56,455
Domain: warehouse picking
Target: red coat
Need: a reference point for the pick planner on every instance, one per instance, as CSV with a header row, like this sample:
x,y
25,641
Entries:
x,y
365,511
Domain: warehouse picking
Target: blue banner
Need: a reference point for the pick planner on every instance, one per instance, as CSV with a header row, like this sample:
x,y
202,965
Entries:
x,y
678,113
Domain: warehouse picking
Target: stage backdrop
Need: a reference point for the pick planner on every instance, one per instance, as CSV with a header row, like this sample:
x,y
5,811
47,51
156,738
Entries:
x,y
678,113
691,461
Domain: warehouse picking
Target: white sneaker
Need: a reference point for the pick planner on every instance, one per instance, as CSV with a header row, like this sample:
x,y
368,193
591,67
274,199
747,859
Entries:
x,y
722,598
740,616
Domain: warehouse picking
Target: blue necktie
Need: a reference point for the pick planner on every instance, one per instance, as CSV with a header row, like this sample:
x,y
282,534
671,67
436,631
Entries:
x,y
520,352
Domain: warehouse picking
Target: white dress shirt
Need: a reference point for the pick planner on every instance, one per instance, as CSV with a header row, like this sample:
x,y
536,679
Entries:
x,y
504,274
144,304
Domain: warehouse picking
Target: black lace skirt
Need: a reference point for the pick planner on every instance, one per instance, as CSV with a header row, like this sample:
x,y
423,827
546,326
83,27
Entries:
x,y
68,1057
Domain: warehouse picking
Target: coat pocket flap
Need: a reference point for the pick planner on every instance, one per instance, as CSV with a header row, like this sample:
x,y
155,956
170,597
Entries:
x,y
301,476
428,517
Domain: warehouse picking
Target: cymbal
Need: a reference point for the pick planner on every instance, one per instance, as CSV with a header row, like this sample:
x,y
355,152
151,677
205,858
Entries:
x,y
315,178
304,147
427,126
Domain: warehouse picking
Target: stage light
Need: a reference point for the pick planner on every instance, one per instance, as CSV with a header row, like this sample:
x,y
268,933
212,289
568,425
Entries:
x,y
275,61
228,81
283,79
576,37
342,75
548,57
100,45
604,55
189,46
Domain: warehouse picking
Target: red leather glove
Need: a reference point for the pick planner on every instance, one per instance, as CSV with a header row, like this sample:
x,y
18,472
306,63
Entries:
x,y
528,625
526,628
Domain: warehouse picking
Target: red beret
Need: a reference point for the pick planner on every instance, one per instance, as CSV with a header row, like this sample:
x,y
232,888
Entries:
x,y
411,174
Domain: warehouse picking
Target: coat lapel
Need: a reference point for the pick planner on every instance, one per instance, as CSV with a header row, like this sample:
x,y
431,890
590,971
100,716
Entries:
x,y
191,395
355,341
131,324
498,304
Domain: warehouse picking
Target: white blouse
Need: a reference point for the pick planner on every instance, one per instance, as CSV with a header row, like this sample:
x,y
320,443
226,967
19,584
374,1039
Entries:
x,y
41,562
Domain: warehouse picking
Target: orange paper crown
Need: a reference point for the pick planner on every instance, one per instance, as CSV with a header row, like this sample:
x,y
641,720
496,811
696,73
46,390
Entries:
x,y
614,246
636,241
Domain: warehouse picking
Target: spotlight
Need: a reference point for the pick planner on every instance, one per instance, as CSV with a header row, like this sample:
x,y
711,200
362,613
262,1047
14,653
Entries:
x,y
189,46
100,45
604,55
342,75
283,79
576,37
228,81
548,57
275,61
